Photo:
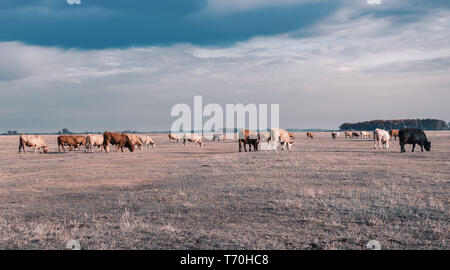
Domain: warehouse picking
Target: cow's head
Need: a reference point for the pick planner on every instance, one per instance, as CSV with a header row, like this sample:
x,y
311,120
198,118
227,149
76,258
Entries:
x,y
45,149
129,145
427,146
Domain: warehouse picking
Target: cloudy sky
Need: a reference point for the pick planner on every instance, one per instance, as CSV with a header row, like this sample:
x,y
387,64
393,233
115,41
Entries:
x,y
114,65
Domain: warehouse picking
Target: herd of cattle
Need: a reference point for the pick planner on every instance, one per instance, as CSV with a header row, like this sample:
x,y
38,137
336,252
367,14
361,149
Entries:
x,y
246,137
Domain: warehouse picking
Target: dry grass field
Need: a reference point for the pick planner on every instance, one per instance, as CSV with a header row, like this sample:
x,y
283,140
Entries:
x,y
323,194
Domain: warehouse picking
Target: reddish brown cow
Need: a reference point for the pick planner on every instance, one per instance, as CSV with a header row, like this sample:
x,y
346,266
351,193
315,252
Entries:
x,y
118,139
68,140
310,135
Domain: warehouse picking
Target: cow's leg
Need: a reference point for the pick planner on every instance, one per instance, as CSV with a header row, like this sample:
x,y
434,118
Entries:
x,y
414,146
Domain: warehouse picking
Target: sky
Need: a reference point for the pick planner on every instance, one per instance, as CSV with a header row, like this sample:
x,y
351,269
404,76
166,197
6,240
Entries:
x,y
95,65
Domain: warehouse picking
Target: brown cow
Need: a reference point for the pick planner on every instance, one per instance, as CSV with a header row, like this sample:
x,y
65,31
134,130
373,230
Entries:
x,y
348,134
355,134
393,133
80,140
35,141
118,139
248,137
310,135
174,137
68,140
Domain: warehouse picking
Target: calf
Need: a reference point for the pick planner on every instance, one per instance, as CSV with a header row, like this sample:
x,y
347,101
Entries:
x,y
413,136
35,141
381,136
248,137
120,140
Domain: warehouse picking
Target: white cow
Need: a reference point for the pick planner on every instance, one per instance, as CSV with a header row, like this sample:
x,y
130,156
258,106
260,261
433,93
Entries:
x,y
146,140
94,140
175,137
281,136
197,140
217,137
35,141
365,134
335,135
381,136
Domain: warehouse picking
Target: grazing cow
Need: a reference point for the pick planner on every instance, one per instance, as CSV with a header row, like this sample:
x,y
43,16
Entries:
x,y
334,135
381,136
278,135
413,136
118,139
348,134
394,133
217,137
355,134
68,140
94,140
174,137
365,134
80,141
35,141
146,140
191,137
135,140
248,137
310,135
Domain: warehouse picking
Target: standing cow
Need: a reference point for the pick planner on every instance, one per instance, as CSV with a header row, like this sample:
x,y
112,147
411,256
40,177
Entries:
x,y
146,140
248,137
348,134
334,135
394,133
279,135
120,140
35,141
413,136
197,140
310,135
94,140
380,137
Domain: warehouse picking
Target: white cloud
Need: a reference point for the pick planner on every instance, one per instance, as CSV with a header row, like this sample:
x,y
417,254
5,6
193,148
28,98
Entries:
x,y
374,2
370,65
239,5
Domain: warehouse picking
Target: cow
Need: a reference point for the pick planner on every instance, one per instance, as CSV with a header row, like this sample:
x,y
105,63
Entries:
x,y
348,134
355,134
191,137
310,135
146,140
118,139
68,140
217,137
36,141
365,134
381,136
174,137
80,141
334,135
94,140
413,136
135,140
394,133
248,137
278,135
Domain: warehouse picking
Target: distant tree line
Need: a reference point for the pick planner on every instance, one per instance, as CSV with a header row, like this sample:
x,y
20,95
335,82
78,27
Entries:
x,y
424,124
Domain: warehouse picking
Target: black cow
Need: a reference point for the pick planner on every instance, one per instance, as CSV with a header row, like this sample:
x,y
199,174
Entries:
x,y
413,136
250,138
